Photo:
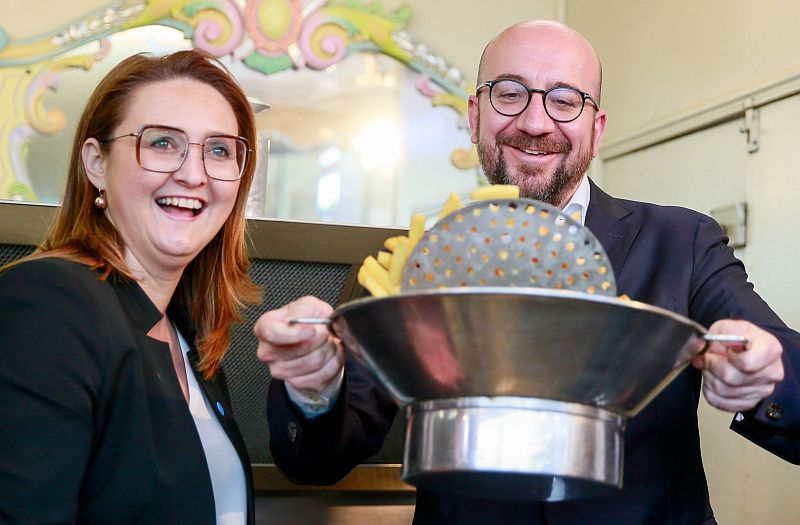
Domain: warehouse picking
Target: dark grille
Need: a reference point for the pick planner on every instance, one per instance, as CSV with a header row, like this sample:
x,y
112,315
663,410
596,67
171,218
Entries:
x,y
247,377
12,252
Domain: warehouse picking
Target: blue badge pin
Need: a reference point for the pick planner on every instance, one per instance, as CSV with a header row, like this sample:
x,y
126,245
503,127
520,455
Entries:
x,y
220,409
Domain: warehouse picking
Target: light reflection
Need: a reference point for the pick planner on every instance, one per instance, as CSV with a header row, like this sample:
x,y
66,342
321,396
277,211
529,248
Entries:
x,y
329,190
329,157
378,146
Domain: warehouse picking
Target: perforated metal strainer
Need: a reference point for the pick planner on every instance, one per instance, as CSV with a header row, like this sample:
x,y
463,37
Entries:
x,y
509,242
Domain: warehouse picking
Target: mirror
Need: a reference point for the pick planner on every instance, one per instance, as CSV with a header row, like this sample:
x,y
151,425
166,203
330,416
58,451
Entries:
x,y
356,130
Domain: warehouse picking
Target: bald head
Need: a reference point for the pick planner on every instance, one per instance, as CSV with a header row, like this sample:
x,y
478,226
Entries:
x,y
557,44
546,157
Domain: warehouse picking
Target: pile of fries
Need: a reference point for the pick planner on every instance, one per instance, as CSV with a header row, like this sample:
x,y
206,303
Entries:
x,y
382,275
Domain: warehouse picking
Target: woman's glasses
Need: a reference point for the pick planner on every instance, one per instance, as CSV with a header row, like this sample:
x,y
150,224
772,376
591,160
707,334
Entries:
x,y
164,149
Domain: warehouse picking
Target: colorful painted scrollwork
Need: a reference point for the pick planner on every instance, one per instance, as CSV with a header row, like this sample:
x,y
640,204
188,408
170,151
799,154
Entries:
x,y
267,36
25,87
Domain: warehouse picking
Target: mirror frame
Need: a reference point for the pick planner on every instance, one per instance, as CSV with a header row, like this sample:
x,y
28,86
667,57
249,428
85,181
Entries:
x,y
265,36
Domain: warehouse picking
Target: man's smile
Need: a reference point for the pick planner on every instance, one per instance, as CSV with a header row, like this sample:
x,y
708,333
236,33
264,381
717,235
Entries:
x,y
535,152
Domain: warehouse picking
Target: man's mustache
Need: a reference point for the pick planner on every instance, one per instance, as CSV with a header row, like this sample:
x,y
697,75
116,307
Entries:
x,y
525,141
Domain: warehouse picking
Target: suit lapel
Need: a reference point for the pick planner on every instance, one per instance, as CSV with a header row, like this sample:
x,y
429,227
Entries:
x,y
216,391
613,224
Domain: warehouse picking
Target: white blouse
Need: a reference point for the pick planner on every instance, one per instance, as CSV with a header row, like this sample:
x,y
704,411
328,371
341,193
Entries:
x,y
227,475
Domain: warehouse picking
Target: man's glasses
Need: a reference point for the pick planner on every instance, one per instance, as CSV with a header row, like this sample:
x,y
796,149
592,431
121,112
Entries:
x,y
510,98
164,149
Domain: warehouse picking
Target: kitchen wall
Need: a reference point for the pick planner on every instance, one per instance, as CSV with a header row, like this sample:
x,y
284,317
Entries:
x,y
677,78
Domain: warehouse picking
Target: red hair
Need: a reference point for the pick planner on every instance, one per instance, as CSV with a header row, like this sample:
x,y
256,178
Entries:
x,y
215,285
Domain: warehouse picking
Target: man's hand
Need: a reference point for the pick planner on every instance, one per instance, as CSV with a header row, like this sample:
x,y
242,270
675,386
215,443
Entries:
x,y
736,378
306,357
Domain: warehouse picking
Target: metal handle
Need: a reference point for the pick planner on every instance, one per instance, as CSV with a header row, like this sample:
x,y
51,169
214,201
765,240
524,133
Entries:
x,y
309,320
727,339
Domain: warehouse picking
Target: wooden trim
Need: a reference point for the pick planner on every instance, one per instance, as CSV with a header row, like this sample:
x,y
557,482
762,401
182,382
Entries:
x,y
24,223
315,242
372,478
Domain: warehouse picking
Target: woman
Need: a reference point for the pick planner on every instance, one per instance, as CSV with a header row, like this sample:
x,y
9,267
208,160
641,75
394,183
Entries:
x,y
115,408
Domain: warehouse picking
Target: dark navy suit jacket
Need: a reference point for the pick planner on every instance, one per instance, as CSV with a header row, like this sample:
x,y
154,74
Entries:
x,y
665,256
94,428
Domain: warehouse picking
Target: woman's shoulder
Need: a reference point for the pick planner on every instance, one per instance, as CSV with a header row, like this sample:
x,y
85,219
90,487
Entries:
x,y
54,268
53,277
56,308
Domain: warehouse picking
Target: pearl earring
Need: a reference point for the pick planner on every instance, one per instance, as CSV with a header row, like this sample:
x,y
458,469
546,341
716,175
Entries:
x,y
101,201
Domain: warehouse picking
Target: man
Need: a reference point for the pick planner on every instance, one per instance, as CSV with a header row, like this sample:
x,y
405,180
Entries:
x,y
537,122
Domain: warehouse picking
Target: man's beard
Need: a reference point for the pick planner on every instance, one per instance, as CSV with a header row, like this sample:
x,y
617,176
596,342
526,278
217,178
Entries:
x,y
531,179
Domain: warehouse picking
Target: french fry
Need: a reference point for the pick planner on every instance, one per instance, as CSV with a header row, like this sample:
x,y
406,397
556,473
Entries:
x,y
385,259
417,229
495,191
401,252
374,288
368,282
382,275
378,272
391,242
451,204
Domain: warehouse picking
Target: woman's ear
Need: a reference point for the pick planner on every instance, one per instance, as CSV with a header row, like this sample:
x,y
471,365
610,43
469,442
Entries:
x,y
93,163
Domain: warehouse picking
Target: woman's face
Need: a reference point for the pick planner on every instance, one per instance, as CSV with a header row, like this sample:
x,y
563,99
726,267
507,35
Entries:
x,y
165,219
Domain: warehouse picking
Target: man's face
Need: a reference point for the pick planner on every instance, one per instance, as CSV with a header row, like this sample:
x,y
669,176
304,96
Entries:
x,y
545,158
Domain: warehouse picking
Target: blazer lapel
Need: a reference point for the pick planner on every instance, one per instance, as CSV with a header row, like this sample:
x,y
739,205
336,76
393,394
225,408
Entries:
x,y
216,391
613,225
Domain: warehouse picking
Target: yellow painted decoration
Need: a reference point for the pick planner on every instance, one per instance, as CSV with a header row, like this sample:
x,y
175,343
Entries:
x,y
22,112
220,20
15,52
370,27
156,10
465,158
275,18
448,99
325,31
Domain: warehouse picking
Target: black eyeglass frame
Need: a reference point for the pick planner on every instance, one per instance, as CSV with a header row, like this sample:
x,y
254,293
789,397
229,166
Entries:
x,y
544,92
141,130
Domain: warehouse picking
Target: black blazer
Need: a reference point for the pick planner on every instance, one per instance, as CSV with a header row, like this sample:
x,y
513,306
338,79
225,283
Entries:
x,y
94,426
666,256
